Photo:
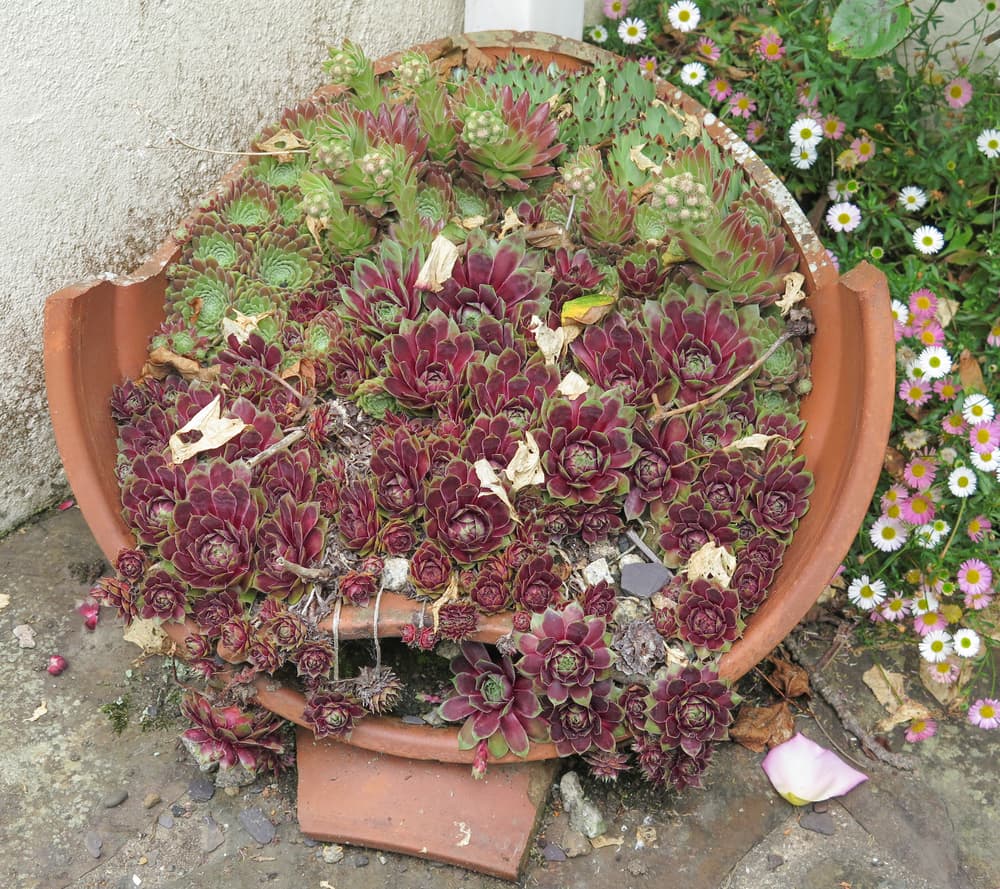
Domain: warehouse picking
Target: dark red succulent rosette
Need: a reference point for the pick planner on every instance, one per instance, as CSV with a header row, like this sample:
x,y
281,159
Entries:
x,y
708,617
358,587
264,655
690,709
504,384
358,520
296,532
690,524
150,492
572,276
457,621
496,703
662,467
579,728
467,521
426,360
400,465
118,594
163,596
396,538
213,531
586,446
313,660
781,498
724,482
566,653
430,569
616,355
233,736
332,714
491,591
288,472
644,281
599,599
536,586
130,563
491,439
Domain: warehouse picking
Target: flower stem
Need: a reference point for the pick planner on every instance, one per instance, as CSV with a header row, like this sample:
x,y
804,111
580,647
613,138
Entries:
x,y
958,521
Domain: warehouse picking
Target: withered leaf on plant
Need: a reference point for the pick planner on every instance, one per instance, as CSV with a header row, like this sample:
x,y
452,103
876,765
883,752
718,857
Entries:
x,y
711,562
758,728
573,385
587,309
210,430
525,467
894,462
949,695
438,265
970,373
490,481
793,292
162,362
887,686
550,342
758,440
511,223
792,680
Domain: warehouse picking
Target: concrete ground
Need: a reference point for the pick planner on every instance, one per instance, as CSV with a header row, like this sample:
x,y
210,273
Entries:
x,y
66,820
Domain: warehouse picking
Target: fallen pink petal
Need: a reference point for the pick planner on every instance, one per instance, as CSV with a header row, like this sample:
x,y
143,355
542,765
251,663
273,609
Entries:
x,y
90,611
67,504
803,772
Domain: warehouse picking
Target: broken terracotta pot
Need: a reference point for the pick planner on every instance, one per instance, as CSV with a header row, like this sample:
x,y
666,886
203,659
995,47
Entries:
x,y
408,787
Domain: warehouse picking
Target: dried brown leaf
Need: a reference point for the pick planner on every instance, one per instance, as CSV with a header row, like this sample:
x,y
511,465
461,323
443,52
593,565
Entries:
x,y
640,160
551,343
547,235
604,840
162,362
894,462
511,223
886,685
573,385
793,292
38,712
970,373
945,311
525,467
758,728
905,712
791,679
758,440
213,431
711,562
490,481
477,60
438,265
948,696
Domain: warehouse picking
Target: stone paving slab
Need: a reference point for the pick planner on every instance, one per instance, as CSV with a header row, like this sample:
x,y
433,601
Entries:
x,y
937,827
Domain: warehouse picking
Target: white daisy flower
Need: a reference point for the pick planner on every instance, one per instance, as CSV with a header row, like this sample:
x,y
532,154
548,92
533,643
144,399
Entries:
x,y
887,535
866,594
693,73
962,482
936,646
977,409
684,15
632,30
926,537
926,603
912,198
843,217
928,240
935,362
913,370
967,643
988,142
806,132
803,157
598,34
900,312
987,461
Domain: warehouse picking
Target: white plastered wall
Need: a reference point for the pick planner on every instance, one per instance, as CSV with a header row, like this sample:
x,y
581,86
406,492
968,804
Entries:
x,y
87,93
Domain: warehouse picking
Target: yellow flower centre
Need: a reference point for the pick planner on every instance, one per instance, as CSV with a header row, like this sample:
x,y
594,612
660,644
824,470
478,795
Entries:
x,y
684,15
888,533
893,512
937,646
972,576
987,711
919,506
927,336
918,470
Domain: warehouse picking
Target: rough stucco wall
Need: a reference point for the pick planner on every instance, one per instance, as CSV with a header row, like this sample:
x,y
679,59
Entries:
x,y
89,90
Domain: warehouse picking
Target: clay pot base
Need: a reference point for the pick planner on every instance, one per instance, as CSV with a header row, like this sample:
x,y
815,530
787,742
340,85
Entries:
x,y
429,809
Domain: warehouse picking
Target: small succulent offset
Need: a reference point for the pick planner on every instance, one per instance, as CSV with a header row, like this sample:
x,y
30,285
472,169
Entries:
x,y
441,320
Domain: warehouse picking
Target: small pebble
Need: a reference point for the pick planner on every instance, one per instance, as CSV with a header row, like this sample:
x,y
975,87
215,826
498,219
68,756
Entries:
x,y
382,859
258,825
551,852
151,799
309,842
166,820
201,789
359,860
636,868
115,798
821,807
333,854
774,861
93,842
178,811
143,860
818,822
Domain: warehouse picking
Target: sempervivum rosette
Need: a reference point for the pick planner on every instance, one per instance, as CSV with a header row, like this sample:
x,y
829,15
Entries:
x,y
498,705
708,617
617,354
294,533
150,492
464,518
662,467
231,736
781,498
400,467
213,531
502,384
332,714
586,446
702,341
690,709
426,360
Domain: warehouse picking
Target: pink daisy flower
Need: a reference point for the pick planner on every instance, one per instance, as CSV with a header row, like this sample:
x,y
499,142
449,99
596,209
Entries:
x,y
979,601
923,303
896,608
986,437
919,473
944,672
707,49
770,46
894,495
615,9
993,337
719,88
833,259
920,730
985,713
954,424
947,388
915,392
958,92
863,148
928,622
808,97
978,528
930,333
918,509
833,127
974,576
647,64
741,105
